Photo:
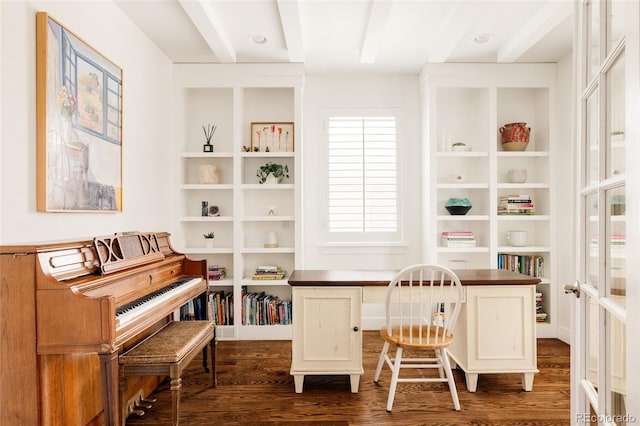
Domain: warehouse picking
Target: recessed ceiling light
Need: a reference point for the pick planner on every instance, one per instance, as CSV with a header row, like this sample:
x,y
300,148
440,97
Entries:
x,y
482,38
258,39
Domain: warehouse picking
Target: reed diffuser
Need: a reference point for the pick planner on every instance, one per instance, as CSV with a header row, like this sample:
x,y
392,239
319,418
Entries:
x,y
208,134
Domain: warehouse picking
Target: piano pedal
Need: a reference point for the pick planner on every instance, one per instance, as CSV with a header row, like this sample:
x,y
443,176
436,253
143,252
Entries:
x,y
149,400
138,413
143,404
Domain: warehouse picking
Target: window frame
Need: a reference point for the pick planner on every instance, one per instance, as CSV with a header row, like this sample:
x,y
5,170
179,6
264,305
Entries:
x,y
362,239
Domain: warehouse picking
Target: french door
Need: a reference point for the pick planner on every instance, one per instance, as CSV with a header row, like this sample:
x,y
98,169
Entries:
x,y
606,323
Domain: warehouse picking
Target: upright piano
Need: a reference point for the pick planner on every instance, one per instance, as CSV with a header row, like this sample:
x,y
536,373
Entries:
x,y
68,309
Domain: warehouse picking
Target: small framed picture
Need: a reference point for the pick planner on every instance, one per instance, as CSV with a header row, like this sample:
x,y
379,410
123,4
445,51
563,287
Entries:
x,y
272,137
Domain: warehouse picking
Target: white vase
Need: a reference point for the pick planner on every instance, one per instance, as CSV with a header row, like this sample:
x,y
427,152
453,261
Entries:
x,y
271,179
208,242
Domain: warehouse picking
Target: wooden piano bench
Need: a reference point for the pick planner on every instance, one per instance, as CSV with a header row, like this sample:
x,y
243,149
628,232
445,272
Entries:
x,y
167,353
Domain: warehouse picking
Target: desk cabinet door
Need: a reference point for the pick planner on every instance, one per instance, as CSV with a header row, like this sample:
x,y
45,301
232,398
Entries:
x,y
327,333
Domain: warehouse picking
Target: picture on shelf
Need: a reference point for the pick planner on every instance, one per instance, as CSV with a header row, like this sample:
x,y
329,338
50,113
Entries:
x,y
272,137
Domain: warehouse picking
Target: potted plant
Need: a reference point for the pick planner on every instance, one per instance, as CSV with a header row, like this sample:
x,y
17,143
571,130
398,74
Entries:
x,y
272,173
208,239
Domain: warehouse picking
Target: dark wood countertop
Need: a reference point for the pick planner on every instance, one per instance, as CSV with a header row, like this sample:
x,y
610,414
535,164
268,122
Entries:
x,y
314,277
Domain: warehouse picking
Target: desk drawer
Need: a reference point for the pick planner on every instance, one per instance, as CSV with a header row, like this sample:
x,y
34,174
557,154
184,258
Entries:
x,y
376,294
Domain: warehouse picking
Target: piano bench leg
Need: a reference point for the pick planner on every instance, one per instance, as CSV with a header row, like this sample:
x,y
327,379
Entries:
x,y
176,384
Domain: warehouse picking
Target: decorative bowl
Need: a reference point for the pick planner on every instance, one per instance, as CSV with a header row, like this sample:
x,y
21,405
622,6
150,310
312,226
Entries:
x,y
458,206
458,210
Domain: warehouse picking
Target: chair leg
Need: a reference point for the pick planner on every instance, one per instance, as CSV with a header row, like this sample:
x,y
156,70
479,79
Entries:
x,y
444,357
383,353
394,379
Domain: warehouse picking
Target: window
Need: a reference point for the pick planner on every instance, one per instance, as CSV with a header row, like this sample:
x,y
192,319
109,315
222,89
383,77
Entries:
x,y
363,178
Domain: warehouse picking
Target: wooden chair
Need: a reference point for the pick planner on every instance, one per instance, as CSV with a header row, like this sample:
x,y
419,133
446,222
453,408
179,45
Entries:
x,y
422,306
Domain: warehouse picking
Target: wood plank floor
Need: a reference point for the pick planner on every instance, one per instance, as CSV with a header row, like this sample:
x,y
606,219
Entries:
x,y
255,388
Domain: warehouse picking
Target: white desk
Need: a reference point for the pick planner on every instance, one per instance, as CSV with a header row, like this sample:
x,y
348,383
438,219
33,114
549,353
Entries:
x,y
495,332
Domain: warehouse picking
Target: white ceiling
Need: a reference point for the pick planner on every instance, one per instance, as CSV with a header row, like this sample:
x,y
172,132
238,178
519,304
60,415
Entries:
x,y
356,35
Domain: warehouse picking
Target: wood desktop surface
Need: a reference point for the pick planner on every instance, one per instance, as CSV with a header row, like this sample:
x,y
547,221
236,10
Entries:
x,y
315,277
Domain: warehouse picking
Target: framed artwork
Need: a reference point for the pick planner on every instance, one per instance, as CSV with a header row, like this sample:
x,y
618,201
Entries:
x,y
78,123
272,137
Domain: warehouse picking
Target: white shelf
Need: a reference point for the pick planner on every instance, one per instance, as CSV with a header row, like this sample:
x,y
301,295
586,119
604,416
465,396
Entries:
x,y
203,186
462,218
525,249
470,103
268,219
233,99
206,219
206,155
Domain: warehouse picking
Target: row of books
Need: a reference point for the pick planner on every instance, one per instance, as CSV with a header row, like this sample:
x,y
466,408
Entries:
x,y
516,204
192,310
541,315
524,264
217,272
222,307
269,272
264,309
458,239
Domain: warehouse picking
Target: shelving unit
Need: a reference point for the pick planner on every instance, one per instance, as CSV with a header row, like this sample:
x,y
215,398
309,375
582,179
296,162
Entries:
x,y
469,103
232,97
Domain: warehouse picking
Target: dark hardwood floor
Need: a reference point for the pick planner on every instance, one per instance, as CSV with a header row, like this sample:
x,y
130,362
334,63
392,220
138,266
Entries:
x,y
255,388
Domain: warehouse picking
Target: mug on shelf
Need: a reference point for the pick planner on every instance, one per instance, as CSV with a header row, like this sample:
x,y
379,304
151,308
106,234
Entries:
x,y
517,238
517,175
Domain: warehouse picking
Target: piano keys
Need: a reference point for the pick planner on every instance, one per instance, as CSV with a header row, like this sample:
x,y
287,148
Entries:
x,y
72,308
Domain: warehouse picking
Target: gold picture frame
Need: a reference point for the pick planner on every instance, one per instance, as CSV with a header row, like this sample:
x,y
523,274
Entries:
x,y
78,123
272,137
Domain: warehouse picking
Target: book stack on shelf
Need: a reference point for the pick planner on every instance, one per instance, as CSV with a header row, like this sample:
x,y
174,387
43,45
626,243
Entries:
x,y
541,315
264,309
524,264
516,204
192,310
222,307
268,272
458,239
217,273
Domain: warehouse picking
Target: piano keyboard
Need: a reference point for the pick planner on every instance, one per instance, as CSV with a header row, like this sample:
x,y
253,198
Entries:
x,y
132,310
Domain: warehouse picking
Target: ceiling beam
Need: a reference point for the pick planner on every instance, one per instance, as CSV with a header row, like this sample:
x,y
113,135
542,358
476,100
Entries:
x,y
208,22
547,18
378,18
454,27
292,29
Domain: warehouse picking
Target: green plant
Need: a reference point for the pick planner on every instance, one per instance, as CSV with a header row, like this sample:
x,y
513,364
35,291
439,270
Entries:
x,y
209,235
459,144
279,171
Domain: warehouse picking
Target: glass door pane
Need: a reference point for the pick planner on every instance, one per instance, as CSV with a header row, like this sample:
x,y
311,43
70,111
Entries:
x,y
592,141
593,38
616,253
616,117
593,240
616,350
615,23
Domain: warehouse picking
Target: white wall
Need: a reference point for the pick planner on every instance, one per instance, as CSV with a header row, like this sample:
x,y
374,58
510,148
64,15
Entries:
x,y
147,91
563,169
360,90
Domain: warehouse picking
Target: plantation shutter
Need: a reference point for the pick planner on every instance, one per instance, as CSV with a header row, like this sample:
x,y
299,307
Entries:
x,y
363,178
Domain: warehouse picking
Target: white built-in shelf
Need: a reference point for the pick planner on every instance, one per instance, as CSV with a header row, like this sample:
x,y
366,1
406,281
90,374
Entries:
x,y
249,281
207,250
519,154
263,250
267,186
463,185
268,219
477,249
225,282
206,155
206,219
462,218
268,154
519,217
205,186
531,185
525,249
457,154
